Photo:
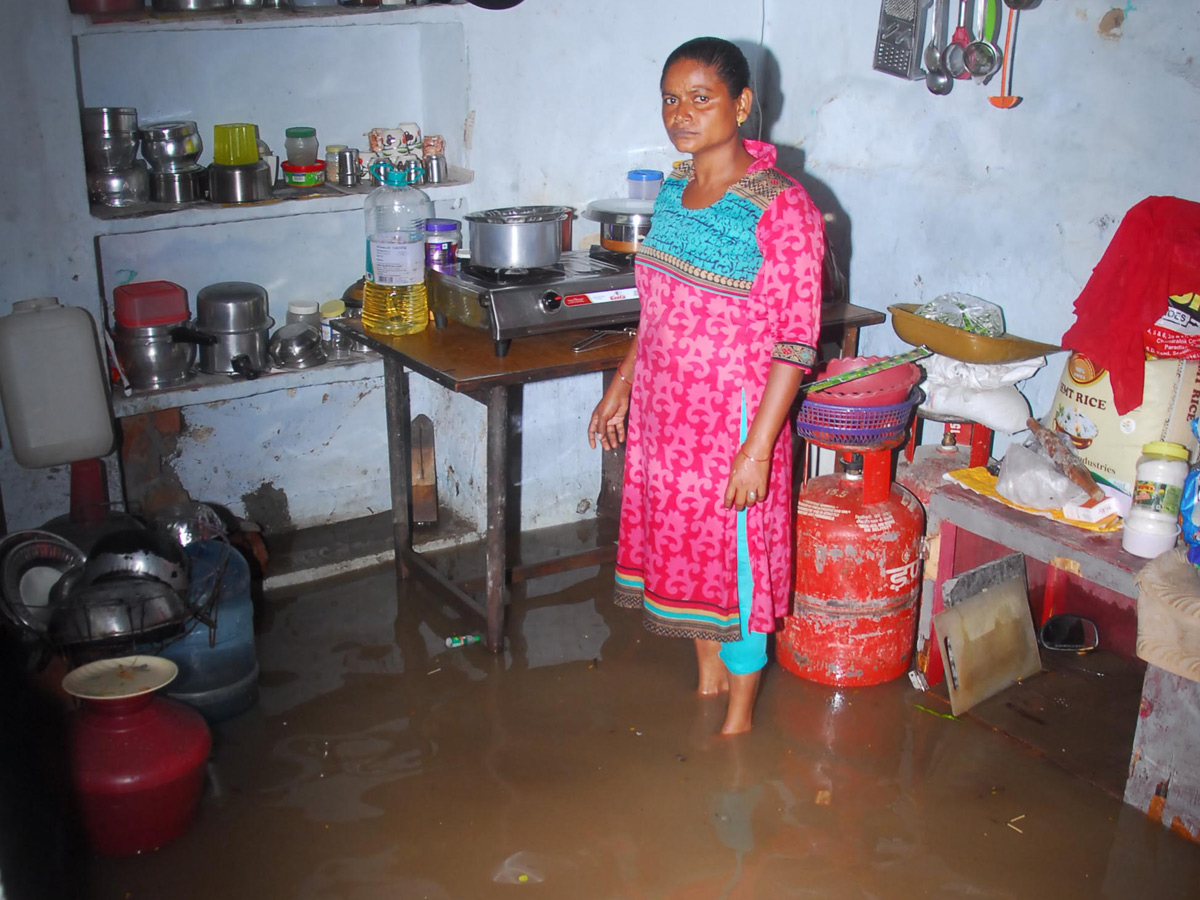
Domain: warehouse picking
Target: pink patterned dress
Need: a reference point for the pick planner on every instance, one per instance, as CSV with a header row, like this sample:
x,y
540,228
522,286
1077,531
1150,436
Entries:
x,y
725,290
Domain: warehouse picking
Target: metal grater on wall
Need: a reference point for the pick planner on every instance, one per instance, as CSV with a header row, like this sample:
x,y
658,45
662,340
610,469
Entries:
x,y
900,38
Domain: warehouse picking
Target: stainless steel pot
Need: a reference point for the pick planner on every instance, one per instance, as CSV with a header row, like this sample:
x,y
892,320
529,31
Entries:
x,y
190,5
239,184
122,187
155,357
185,186
232,306
171,146
238,352
517,237
116,608
110,120
138,553
623,223
109,152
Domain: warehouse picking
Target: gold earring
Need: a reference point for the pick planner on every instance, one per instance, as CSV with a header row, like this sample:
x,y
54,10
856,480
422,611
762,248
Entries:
x,y
741,120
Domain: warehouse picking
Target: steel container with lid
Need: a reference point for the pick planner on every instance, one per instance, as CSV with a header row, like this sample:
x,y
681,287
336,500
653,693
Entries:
x,y
624,223
237,313
517,237
171,146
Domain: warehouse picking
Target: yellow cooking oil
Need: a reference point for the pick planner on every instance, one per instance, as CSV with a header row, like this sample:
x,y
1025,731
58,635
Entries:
x,y
391,310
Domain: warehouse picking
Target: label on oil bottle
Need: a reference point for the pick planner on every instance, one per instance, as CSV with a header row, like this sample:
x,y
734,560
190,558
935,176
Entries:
x,y
395,263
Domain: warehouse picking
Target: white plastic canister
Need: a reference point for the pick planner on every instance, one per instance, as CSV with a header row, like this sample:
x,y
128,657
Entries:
x,y
52,384
1152,526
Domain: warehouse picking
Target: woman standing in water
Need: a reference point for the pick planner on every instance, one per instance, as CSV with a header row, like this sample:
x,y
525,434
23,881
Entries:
x,y
730,283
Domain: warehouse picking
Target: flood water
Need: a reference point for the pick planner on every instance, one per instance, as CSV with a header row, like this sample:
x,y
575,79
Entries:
x,y
581,764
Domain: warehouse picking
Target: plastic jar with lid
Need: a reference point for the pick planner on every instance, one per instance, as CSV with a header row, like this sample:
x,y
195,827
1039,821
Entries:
x,y
306,312
1152,526
442,237
643,184
331,161
300,142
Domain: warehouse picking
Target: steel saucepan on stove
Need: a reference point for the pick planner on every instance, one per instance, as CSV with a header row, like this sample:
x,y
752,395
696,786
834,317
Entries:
x,y
624,223
517,237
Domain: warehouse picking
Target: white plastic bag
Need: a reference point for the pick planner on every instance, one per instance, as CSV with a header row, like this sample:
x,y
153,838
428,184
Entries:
x,y
1030,479
977,392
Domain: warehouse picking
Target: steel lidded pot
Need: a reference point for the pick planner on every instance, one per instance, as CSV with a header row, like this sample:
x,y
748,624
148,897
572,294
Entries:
x,y
624,223
237,314
517,237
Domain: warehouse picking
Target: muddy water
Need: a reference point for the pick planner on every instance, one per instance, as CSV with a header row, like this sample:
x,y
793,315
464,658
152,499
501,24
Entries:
x,y
581,765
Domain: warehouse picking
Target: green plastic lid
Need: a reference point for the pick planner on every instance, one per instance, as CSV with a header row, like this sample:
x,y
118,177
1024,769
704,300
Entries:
x,y
300,131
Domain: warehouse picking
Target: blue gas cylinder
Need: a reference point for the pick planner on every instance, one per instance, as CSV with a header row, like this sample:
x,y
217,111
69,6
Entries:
x,y
218,666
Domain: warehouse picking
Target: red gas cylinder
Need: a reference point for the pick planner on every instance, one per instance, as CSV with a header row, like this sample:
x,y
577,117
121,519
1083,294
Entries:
x,y
137,760
858,566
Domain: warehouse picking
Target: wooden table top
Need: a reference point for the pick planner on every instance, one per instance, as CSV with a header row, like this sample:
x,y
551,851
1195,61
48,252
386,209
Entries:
x,y
1099,555
463,359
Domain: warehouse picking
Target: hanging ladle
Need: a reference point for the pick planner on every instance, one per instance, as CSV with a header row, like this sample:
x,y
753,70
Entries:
x,y
952,56
981,56
936,78
1006,100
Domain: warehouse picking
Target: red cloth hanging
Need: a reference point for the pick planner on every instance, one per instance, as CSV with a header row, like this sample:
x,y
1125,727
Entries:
x,y
1154,253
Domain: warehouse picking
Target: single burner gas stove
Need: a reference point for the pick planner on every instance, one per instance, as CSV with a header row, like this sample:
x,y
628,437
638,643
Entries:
x,y
584,290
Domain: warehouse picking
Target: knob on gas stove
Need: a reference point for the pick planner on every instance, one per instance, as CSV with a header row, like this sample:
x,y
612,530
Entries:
x,y
551,301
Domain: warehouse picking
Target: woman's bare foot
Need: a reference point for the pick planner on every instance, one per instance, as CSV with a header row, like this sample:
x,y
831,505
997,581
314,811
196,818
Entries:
x,y
714,677
742,691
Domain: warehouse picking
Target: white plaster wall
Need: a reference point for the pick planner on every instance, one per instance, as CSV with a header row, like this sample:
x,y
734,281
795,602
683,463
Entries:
x,y
1016,206
931,193
45,240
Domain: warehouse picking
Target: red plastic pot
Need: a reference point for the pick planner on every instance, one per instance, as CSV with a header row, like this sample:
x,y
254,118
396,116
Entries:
x,y
138,765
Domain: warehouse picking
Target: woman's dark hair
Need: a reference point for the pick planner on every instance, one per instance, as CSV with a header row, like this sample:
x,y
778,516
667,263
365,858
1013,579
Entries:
x,y
722,55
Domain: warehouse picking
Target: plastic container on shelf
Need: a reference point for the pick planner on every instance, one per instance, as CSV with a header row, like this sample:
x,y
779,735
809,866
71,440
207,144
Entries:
x,y
235,144
332,165
394,299
1158,480
644,184
1152,526
442,240
303,176
330,310
304,312
142,304
300,143
1146,536
52,384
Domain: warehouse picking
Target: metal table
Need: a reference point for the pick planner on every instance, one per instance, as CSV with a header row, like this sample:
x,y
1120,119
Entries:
x,y
462,360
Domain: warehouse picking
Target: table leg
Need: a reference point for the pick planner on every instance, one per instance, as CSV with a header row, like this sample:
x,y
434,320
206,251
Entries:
x,y
497,481
850,341
399,425
947,538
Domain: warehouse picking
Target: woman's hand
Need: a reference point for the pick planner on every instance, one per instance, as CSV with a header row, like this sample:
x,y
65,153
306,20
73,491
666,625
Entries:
x,y
747,481
608,418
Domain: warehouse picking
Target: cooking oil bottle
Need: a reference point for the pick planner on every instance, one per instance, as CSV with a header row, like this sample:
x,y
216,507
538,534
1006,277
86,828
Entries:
x,y
394,292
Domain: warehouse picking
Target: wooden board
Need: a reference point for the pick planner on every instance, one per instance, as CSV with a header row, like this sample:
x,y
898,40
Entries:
x,y
987,643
